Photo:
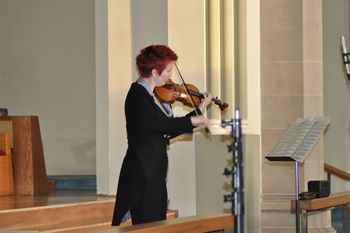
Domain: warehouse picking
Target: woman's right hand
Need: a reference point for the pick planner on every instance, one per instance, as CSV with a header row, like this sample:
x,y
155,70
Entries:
x,y
200,121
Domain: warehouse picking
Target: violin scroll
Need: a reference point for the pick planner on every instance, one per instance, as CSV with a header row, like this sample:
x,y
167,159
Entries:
x,y
222,105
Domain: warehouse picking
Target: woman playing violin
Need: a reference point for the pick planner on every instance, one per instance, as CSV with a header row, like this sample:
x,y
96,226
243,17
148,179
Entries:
x,y
150,124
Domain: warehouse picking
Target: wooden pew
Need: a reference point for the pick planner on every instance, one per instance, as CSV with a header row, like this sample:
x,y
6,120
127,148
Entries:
x,y
28,156
335,199
193,224
6,172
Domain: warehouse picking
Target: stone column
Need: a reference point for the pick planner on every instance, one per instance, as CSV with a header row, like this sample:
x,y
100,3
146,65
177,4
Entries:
x,y
291,88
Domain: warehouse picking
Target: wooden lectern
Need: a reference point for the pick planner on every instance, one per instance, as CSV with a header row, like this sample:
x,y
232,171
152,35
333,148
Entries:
x,y
28,155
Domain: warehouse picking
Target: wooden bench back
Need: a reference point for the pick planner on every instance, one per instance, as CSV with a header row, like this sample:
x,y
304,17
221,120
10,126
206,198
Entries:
x,y
195,224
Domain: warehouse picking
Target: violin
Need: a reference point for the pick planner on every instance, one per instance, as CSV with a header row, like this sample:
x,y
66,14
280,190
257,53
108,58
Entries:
x,y
185,93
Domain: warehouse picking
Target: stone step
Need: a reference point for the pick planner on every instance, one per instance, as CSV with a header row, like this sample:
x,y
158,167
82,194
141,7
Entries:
x,y
46,218
99,227
32,214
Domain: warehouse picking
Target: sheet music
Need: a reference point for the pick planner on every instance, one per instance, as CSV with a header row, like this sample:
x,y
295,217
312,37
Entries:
x,y
299,139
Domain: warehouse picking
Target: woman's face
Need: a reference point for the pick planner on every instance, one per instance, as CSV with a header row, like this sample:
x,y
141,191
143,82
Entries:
x,y
165,75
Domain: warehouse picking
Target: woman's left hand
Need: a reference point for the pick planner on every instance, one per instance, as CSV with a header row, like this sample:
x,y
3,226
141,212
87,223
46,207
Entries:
x,y
205,101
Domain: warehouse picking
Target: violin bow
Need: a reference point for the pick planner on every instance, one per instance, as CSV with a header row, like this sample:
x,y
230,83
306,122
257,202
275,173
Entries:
x,y
186,89
191,98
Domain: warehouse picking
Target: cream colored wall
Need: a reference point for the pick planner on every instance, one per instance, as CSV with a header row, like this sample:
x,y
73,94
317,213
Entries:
x,y
47,69
129,30
250,70
113,78
336,23
186,37
102,95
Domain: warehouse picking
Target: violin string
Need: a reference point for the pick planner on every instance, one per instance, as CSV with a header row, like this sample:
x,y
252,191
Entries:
x,y
207,131
186,89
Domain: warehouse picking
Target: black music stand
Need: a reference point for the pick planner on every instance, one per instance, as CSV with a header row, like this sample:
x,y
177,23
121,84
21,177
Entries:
x,y
295,145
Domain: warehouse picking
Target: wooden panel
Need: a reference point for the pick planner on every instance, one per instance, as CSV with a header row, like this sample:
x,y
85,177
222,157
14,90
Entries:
x,y
22,156
28,156
6,171
39,169
6,127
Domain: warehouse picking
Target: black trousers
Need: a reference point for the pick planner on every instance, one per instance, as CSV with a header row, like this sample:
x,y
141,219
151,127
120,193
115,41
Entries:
x,y
153,204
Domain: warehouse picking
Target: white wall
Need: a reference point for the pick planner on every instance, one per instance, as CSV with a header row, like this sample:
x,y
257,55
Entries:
x,y
149,25
186,28
102,97
336,23
47,69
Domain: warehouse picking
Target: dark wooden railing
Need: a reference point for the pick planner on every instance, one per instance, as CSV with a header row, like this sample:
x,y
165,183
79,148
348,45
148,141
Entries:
x,y
335,199
336,172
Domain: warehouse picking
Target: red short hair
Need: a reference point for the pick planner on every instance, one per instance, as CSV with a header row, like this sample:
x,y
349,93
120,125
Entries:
x,y
154,57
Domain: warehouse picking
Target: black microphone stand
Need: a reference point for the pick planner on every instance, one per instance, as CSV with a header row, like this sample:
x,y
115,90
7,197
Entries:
x,y
237,196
